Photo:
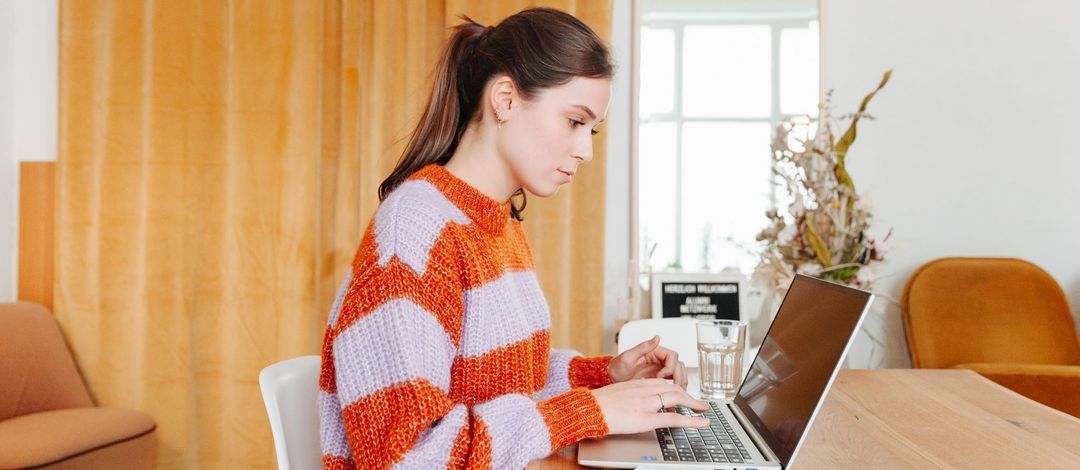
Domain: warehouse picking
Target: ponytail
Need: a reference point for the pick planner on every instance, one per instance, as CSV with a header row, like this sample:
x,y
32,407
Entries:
x,y
444,121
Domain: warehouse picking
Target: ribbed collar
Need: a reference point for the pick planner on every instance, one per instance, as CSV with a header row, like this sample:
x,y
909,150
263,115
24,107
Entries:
x,y
489,214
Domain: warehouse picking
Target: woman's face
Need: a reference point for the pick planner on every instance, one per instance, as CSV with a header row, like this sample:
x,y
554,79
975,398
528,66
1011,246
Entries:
x,y
544,140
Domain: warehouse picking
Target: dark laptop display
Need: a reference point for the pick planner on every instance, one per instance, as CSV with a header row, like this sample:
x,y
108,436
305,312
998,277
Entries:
x,y
782,390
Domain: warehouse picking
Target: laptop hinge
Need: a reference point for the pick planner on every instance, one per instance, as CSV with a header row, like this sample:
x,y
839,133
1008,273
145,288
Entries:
x,y
752,432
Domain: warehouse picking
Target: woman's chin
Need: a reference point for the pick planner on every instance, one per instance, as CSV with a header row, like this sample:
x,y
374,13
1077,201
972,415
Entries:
x,y
544,191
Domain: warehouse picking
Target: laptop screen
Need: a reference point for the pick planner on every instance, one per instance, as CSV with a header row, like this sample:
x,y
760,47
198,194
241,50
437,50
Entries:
x,y
798,358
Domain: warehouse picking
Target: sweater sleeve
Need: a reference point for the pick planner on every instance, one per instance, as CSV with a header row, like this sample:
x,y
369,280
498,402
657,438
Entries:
x,y
568,369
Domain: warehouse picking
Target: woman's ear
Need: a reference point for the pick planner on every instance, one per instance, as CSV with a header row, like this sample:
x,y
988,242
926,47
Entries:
x,y
503,97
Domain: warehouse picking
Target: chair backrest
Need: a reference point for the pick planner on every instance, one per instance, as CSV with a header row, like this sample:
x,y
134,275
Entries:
x,y
37,372
677,334
290,390
996,310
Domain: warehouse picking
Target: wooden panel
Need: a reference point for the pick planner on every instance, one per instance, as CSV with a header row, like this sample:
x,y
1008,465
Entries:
x,y
37,203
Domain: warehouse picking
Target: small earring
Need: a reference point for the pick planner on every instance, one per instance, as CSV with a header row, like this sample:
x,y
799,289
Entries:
x,y
498,119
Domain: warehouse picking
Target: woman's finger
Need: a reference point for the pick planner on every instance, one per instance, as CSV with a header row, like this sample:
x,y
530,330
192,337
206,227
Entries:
x,y
680,375
677,396
671,360
675,420
634,354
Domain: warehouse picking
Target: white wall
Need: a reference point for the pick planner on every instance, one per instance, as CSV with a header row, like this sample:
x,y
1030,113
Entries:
x,y
8,167
976,146
28,84
617,211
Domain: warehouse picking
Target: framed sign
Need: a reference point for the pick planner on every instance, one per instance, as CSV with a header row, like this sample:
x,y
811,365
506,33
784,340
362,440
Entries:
x,y
721,296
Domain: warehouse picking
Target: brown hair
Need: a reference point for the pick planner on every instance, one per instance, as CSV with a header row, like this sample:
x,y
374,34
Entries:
x,y
537,48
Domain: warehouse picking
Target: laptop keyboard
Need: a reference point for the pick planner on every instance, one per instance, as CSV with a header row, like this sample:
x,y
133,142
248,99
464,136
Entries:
x,y
716,443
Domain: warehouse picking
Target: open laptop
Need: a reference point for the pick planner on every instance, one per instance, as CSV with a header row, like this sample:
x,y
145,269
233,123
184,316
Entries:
x,y
766,423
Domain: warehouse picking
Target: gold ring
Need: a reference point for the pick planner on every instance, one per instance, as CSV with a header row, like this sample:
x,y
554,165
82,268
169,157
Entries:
x,y
661,397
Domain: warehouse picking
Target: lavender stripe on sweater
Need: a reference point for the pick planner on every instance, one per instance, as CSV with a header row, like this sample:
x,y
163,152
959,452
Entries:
x,y
503,312
390,333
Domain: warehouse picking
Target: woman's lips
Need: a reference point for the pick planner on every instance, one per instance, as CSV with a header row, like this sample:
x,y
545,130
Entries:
x,y
568,176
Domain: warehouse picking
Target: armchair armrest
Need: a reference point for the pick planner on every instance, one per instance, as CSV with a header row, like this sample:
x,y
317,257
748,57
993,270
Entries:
x,y
1056,386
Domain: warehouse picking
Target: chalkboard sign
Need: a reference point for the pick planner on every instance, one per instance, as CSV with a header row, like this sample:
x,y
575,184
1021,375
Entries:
x,y
711,295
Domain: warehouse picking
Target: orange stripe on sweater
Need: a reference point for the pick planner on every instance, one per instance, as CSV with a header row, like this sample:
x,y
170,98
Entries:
x,y
572,416
326,372
589,371
472,448
333,462
485,264
517,368
438,291
383,426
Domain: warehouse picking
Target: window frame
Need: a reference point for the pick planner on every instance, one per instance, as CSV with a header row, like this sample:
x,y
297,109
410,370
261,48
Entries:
x,y
678,23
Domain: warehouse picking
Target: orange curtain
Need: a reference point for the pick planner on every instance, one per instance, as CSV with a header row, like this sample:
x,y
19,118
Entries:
x,y
217,163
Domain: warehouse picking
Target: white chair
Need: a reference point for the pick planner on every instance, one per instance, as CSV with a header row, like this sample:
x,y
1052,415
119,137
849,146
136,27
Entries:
x,y
290,390
676,334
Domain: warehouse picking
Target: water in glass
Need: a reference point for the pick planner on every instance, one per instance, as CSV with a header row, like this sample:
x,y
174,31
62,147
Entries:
x,y
721,369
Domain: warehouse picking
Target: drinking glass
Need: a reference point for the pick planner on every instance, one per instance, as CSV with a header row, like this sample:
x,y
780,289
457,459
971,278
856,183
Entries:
x,y
721,345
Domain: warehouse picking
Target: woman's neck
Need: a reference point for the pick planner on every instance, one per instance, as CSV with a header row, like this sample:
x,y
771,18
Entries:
x,y
476,162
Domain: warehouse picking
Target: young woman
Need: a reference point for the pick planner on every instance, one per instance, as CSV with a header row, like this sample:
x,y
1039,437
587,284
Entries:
x,y
437,348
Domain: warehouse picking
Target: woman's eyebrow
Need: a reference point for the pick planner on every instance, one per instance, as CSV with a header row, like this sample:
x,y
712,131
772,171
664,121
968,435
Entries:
x,y
588,111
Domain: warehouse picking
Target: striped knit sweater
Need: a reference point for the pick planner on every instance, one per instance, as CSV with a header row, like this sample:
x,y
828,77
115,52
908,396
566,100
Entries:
x,y
437,350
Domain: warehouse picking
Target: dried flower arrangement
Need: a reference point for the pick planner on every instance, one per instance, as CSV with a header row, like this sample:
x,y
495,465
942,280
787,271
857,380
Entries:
x,y
825,230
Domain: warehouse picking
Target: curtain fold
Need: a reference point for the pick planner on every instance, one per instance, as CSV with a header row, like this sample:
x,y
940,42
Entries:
x,y
217,163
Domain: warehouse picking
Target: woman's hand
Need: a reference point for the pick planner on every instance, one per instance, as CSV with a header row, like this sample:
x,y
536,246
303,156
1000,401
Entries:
x,y
648,360
630,407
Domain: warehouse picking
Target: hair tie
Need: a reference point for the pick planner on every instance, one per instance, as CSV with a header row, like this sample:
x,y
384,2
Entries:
x,y
486,32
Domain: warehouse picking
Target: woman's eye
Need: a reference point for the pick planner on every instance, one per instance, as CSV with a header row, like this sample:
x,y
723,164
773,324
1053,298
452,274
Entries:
x,y
574,123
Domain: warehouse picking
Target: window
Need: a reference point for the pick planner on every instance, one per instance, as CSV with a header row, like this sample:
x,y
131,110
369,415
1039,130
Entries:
x,y
713,87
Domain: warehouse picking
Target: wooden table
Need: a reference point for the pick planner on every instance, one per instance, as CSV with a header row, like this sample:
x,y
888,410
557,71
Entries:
x,y
923,418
